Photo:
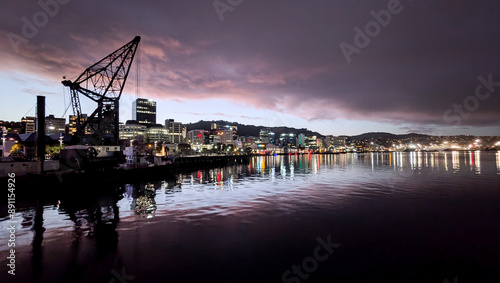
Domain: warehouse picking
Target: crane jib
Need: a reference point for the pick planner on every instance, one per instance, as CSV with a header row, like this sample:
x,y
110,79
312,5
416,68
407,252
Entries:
x,y
104,82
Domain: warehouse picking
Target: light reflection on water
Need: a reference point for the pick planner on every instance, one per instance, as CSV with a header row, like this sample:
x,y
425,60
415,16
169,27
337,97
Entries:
x,y
267,185
498,162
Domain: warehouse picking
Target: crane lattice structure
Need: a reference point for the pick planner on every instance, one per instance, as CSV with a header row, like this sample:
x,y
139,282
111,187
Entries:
x,y
103,83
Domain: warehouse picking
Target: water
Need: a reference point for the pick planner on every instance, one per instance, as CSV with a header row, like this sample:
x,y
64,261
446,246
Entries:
x,y
397,217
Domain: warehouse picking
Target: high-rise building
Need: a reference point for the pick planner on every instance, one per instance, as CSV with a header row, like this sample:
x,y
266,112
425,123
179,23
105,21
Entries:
x,y
54,126
301,140
197,137
339,141
288,139
175,131
224,136
72,124
157,133
28,124
267,136
144,111
131,130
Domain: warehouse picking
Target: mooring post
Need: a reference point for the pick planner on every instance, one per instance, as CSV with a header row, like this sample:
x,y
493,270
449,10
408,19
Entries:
x,y
40,130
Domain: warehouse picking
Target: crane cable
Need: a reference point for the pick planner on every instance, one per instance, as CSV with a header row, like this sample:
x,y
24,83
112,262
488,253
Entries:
x,y
137,64
64,95
30,110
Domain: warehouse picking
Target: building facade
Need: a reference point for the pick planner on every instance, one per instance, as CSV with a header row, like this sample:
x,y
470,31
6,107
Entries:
x,y
267,136
144,111
72,124
157,133
29,124
132,130
54,126
175,131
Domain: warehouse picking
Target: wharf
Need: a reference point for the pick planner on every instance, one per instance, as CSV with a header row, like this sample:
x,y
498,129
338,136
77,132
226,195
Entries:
x,y
60,183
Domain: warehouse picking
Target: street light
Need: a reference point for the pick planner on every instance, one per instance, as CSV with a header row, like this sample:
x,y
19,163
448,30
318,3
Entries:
x,y
60,141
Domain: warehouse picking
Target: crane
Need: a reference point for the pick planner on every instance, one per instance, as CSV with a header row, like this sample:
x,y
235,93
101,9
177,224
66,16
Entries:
x,y
103,83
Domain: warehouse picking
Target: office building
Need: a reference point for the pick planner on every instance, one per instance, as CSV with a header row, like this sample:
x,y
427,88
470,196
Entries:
x,y
132,130
144,111
157,133
288,139
339,141
224,136
267,136
72,124
197,137
28,124
54,126
175,131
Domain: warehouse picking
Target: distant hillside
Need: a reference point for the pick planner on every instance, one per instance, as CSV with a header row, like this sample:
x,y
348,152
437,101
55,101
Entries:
x,y
386,136
250,130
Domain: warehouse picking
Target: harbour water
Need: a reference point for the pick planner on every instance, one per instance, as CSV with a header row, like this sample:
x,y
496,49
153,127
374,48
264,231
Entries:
x,y
373,217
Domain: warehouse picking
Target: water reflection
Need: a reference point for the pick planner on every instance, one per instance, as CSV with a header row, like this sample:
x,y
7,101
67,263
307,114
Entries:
x,y
261,179
143,195
96,218
456,160
287,167
498,161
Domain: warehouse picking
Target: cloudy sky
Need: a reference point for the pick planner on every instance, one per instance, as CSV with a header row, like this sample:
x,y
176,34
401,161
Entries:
x,y
337,67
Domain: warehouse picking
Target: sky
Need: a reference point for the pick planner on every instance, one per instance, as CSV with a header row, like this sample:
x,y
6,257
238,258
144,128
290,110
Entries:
x,y
335,67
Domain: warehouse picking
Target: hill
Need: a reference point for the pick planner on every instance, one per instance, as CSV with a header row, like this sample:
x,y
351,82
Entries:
x,y
250,130
385,136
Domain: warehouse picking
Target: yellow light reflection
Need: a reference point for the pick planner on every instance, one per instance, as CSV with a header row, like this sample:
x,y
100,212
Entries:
x,y
478,162
498,162
446,161
455,157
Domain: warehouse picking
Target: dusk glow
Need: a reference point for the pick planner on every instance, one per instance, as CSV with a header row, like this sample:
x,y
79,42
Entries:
x,y
250,141
269,63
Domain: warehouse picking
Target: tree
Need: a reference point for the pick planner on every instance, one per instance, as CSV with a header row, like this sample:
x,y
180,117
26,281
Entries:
x,y
53,150
17,148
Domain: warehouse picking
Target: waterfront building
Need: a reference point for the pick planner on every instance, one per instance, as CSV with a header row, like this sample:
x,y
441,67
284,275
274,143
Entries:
x,y
312,142
301,140
157,133
339,141
72,124
132,130
54,126
224,136
288,139
197,137
28,123
267,136
175,131
144,111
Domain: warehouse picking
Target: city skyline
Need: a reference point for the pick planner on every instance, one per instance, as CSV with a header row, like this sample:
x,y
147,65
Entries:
x,y
428,67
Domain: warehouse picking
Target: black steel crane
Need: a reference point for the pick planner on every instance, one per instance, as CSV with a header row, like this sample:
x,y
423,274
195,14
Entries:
x,y
103,83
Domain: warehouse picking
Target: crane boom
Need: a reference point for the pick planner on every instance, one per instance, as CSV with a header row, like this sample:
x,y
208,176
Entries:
x,y
103,83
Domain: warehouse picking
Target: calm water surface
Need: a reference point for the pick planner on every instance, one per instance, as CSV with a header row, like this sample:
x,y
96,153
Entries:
x,y
392,217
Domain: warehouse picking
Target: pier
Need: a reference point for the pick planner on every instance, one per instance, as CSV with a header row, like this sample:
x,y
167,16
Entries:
x,y
60,183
